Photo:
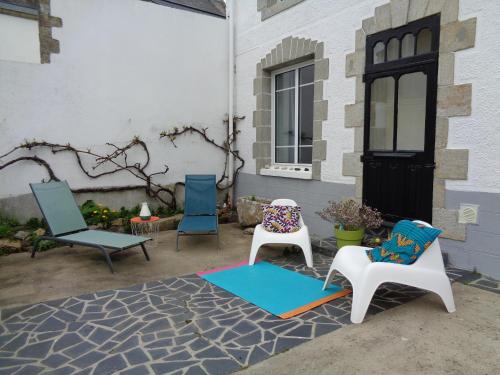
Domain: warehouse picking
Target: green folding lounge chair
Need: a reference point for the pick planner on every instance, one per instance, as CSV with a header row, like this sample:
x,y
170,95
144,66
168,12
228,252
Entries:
x,y
200,207
66,223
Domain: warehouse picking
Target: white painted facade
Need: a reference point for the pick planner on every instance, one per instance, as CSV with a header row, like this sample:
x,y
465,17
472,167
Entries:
x,y
126,68
19,39
335,23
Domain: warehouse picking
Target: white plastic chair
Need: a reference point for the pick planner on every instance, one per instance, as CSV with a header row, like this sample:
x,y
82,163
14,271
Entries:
x,y
299,238
365,276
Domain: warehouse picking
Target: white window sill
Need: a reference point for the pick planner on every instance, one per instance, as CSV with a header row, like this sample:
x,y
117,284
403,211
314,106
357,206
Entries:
x,y
288,172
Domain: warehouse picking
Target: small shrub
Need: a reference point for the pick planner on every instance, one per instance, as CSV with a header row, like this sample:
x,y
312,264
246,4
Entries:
x,y
97,214
34,223
8,226
351,215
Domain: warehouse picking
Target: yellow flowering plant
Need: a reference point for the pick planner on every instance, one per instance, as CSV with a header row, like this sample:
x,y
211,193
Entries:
x,y
98,214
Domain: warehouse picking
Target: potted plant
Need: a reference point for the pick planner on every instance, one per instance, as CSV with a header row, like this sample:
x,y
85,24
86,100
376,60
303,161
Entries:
x,y
350,219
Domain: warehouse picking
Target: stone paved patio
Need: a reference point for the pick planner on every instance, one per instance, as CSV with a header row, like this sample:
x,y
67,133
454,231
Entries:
x,y
182,325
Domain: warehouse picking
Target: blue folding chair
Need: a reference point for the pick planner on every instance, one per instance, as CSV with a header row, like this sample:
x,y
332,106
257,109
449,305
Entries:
x,y
200,207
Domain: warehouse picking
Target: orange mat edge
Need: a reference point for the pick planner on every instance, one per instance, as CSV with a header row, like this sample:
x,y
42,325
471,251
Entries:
x,y
314,304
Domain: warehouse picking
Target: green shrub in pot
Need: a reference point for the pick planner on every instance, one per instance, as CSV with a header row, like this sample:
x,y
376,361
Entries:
x,y
350,220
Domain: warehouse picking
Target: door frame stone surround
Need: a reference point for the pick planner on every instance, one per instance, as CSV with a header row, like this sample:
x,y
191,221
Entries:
x,y
452,100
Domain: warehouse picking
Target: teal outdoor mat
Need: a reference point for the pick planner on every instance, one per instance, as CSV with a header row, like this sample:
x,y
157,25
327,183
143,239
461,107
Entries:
x,y
279,291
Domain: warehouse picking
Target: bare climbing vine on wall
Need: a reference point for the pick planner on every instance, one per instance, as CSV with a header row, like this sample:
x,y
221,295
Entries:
x,y
98,164
225,181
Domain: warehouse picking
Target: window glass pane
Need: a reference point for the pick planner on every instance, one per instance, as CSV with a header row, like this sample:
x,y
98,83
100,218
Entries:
x,y
378,53
424,41
382,114
408,46
285,118
284,154
393,49
306,94
285,80
305,155
412,91
306,74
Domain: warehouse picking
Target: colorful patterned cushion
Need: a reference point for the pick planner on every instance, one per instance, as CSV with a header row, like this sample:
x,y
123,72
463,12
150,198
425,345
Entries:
x,y
281,219
408,242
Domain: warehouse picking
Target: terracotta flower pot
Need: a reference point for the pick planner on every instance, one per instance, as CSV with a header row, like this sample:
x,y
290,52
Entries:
x,y
348,237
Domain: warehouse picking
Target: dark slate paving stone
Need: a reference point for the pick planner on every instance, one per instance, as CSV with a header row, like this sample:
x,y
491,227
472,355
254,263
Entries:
x,y
130,343
156,325
220,366
10,313
85,330
66,341
66,370
4,339
79,349
10,362
257,355
88,359
244,327
51,324
211,352
30,370
199,344
139,370
83,372
240,355
157,353
35,310
195,370
76,308
38,350
228,336
110,365
169,367
129,331
214,333
303,331
110,322
136,356
322,329
160,343
55,360
100,335
181,356
285,343
16,342
250,339
91,316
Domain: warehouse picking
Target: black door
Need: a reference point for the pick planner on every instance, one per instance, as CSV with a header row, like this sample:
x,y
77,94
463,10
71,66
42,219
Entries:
x,y
400,118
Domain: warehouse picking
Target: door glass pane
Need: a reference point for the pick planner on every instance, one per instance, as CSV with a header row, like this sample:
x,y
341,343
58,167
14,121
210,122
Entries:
x,y
285,118
408,46
306,94
412,91
424,41
284,154
305,155
285,80
393,49
379,53
382,114
306,74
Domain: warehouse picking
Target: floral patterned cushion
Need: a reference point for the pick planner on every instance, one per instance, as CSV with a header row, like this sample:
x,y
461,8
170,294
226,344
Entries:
x,y
408,242
281,219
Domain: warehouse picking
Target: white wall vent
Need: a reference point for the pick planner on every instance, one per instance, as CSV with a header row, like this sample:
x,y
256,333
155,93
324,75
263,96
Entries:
x,y
467,213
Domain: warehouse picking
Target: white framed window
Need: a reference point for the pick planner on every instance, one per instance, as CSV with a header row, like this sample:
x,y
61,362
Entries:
x,y
292,99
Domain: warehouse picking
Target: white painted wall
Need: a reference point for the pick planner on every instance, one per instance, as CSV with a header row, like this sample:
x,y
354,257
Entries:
x,y
335,23
126,67
19,39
